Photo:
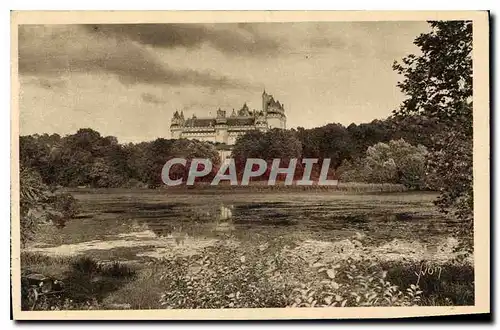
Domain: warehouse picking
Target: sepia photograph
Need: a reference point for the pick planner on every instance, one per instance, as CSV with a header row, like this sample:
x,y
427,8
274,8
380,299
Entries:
x,y
250,165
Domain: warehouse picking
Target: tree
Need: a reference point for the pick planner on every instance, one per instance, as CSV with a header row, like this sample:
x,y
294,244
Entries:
x,y
153,156
39,205
146,159
330,141
275,143
414,129
394,162
397,162
35,152
438,83
190,149
368,134
87,158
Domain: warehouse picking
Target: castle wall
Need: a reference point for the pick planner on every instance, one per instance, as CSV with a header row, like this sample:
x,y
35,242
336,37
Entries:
x,y
176,133
201,136
221,135
227,135
276,121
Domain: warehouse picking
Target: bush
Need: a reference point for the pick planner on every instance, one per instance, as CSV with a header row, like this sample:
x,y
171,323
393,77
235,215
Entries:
x,y
223,278
353,283
454,286
352,171
396,162
66,205
134,183
38,205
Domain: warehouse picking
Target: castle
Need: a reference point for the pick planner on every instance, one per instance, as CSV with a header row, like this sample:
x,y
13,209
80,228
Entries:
x,y
224,129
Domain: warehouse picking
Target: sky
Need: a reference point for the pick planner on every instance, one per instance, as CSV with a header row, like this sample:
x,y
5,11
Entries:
x,y
128,80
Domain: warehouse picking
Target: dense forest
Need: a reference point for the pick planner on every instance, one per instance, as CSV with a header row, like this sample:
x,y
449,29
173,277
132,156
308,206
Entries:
x,y
89,159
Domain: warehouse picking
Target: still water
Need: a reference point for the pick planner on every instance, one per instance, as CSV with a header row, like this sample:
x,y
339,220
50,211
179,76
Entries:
x,y
139,223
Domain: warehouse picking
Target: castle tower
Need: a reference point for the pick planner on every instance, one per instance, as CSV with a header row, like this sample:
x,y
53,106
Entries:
x,y
221,126
177,125
274,111
265,100
261,121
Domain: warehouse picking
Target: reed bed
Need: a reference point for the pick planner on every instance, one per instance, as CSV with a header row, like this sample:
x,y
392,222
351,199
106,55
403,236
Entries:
x,y
347,187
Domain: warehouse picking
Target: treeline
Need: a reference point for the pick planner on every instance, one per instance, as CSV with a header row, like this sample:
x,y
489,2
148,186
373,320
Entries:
x,y
335,141
89,159
383,151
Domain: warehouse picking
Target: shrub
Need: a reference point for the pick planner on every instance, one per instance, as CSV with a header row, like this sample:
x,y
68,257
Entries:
x,y
454,286
353,283
451,167
84,282
134,183
394,162
85,265
117,270
66,205
38,205
223,278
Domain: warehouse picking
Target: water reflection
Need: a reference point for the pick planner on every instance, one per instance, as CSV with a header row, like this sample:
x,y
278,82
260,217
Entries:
x,y
231,220
226,212
224,222
190,220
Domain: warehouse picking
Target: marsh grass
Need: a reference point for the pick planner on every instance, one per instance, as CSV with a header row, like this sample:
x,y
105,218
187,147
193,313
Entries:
x,y
454,286
143,292
85,281
262,186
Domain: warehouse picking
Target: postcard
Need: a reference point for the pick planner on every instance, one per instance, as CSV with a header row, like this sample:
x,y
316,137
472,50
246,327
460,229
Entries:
x,y
250,165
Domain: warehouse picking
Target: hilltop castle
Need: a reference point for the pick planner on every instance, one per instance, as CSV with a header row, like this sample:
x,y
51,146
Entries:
x,y
225,129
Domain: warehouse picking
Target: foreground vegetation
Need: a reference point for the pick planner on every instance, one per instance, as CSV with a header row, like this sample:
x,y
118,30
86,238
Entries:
x,y
226,277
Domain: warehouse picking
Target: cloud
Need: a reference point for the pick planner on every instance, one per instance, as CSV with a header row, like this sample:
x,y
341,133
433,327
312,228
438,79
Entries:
x,y
47,83
229,38
328,42
58,50
151,98
51,83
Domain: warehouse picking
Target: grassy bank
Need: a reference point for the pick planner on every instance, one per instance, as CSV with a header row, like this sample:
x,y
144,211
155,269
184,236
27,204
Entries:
x,y
227,277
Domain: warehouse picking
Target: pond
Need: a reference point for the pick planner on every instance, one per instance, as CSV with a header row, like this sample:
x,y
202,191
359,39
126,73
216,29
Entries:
x,y
136,224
